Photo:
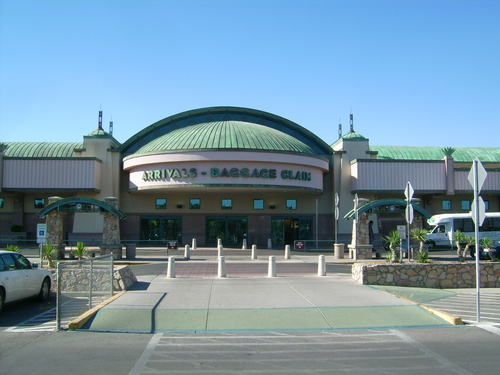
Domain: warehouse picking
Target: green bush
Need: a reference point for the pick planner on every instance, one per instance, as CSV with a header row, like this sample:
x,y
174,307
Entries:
x,y
13,248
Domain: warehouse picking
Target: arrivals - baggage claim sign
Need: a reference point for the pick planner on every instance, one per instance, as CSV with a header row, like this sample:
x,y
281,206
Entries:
x,y
174,173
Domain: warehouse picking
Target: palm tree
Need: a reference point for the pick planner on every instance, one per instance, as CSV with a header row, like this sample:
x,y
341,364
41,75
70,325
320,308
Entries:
x,y
459,238
469,241
393,240
80,252
420,235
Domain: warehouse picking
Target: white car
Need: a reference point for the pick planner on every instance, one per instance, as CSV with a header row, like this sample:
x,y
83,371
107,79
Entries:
x,y
20,279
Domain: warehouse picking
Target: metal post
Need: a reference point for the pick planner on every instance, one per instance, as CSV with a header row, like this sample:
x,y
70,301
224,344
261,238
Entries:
x,y
91,281
58,298
476,234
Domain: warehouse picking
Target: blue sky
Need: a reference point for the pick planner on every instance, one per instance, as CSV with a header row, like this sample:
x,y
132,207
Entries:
x,y
413,72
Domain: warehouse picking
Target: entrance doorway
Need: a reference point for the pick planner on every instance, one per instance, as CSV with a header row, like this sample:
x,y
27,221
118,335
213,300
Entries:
x,y
231,230
156,230
285,230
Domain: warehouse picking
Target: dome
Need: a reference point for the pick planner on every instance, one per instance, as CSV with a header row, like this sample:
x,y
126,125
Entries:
x,y
225,136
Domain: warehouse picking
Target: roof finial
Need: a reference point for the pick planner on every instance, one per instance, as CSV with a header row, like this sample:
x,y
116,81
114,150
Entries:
x,y
111,126
100,121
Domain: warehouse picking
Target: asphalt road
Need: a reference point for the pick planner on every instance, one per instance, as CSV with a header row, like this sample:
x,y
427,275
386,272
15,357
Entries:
x,y
464,350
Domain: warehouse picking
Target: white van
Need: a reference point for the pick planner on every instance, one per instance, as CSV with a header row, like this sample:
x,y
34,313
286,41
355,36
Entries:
x,y
444,225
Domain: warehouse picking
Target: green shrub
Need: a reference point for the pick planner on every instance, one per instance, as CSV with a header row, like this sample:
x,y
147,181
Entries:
x,y
49,253
422,257
80,252
13,248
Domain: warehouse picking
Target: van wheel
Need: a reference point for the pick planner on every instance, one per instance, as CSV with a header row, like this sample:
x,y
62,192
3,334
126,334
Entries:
x,y
44,290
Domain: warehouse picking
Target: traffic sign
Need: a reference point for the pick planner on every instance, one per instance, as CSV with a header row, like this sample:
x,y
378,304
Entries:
x,y
299,245
481,211
409,191
481,175
409,213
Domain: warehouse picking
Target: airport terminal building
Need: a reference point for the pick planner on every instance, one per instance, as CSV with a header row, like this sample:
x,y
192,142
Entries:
x,y
230,173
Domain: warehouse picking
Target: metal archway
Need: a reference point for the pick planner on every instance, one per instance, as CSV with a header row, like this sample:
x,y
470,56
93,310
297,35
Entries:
x,y
81,200
386,202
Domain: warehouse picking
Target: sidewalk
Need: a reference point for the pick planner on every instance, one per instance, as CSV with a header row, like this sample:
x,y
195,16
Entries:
x,y
247,300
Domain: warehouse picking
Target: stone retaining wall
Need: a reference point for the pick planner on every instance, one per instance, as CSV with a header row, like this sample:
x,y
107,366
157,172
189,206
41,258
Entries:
x,y
445,275
78,280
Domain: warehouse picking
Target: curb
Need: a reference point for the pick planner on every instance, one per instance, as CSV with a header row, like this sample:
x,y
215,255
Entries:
x,y
85,317
450,318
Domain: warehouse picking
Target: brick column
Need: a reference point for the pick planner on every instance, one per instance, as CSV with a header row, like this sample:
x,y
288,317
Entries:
x,y
111,231
55,228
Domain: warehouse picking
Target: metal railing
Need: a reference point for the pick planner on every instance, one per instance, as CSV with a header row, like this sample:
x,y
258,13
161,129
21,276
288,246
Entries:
x,y
81,286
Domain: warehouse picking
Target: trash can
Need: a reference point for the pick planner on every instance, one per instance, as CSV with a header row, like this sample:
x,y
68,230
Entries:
x,y
338,251
130,250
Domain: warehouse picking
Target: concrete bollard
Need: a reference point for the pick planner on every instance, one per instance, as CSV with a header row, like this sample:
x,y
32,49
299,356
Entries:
x,y
193,243
287,252
220,251
221,270
244,247
338,251
321,266
187,252
254,252
269,244
171,268
219,242
271,270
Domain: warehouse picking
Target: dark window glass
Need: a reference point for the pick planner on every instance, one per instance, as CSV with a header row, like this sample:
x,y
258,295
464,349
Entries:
x,y
226,204
39,202
194,204
291,204
258,204
446,205
161,203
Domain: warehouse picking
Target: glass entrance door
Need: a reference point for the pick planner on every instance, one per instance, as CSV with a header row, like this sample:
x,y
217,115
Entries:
x,y
156,230
231,230
288,229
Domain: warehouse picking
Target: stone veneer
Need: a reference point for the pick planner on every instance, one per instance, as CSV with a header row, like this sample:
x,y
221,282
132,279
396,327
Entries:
x,y
123,279
445,275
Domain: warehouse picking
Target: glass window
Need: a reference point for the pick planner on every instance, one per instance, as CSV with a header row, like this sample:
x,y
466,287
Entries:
x,y
226,204
446,205
258,204
465,205
1,202
39,202
291,204
486,205
194,204
161,203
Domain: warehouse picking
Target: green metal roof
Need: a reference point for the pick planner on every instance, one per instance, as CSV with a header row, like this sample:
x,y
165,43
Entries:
x,y
212,115
225,135
41,149
461,154
351,136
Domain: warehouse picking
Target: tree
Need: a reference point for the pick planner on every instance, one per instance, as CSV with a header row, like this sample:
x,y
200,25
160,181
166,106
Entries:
x,y
460,238
420,235
393,240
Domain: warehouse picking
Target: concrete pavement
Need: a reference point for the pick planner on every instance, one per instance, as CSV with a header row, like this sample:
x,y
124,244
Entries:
x,y
196,300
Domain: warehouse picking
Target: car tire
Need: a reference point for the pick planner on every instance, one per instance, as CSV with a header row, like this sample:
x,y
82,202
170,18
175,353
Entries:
x,y
44,290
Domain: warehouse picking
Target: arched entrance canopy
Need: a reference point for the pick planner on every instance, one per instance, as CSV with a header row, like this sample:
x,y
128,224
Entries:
x,y
67,202
386,202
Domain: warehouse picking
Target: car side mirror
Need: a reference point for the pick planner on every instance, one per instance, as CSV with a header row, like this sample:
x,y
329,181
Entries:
x,y
34,265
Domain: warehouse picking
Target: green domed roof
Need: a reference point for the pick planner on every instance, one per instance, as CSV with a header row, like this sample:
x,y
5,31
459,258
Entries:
x,y
224,136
